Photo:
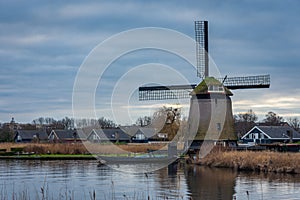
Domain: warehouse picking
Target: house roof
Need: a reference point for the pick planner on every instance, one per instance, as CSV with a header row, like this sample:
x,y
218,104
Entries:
x,y
275,132
65,134
148,132
110,134
29,134
130,130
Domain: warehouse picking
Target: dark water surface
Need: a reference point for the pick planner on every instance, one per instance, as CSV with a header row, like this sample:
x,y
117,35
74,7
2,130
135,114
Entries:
x,y
72,179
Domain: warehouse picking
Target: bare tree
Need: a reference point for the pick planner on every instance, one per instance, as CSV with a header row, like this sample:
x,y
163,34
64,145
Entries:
x,y
243,122
41,120
248,116
294,122
272,119
106,123
143,121
168,121
50,120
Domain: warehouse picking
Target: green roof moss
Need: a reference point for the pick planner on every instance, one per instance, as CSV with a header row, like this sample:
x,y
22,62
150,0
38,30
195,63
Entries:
x,y
202,88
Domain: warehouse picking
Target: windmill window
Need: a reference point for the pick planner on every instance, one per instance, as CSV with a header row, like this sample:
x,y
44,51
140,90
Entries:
x,y
219,126
215,88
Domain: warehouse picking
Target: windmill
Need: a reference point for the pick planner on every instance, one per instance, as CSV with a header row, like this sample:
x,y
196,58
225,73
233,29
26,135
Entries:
x,y
210,115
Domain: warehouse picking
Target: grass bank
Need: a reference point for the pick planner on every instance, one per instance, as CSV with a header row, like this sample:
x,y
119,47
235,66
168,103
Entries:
x,y
72,150
263,161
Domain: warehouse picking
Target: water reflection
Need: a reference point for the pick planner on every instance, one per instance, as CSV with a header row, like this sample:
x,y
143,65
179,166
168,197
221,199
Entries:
x,y
171,182
210,183
255,185
79,179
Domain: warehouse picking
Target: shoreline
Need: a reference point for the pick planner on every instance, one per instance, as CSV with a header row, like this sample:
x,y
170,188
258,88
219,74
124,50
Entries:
x,y
49,157
259,161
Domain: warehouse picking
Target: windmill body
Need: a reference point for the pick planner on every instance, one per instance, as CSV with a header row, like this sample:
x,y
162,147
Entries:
x,y
210,116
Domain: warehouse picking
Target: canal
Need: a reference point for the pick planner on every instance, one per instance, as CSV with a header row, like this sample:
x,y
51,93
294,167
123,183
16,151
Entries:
x,y
83,179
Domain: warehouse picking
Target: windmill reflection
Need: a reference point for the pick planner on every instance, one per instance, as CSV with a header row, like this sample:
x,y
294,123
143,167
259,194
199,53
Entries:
x,y
210,183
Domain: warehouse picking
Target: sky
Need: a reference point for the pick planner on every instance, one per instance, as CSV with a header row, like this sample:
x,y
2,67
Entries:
x,y
43,45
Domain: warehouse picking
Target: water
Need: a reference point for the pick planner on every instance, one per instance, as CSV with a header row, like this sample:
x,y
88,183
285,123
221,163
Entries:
x,y
71,179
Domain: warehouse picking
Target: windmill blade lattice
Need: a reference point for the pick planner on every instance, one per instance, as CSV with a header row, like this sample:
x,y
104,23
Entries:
x,y
165,92
247,82
183,91
201,36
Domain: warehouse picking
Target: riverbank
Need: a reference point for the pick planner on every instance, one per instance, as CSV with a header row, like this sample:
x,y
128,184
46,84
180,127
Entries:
x,y
262,161
73,151
49,157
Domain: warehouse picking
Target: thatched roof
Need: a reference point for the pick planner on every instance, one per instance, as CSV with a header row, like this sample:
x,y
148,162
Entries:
x,y
202,88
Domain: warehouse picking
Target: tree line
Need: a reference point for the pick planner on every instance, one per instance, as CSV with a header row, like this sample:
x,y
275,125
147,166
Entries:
x,y
7,130
245,121
164,117
69,123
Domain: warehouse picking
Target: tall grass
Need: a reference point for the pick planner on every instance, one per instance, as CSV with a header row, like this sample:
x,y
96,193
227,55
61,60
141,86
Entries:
x,y
264,161
81,148
66,193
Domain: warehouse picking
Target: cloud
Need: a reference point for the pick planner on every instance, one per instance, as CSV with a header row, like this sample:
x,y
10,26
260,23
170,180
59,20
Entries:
x,y
283,105
42,45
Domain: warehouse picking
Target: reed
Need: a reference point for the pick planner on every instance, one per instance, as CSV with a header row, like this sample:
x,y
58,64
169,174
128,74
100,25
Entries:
x,y
264,161
65,193
81,148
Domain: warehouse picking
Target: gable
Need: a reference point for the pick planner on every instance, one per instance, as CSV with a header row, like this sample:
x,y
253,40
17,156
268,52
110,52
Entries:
x,y
255,131
272,132
53,136
93,135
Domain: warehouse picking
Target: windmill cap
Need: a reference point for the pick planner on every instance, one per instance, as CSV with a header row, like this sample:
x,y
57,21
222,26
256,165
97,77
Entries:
x,y
210,85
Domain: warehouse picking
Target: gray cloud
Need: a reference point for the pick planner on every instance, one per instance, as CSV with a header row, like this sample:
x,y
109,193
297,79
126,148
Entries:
x,y
42,45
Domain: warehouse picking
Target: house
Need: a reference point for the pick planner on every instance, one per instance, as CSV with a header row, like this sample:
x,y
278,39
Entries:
x,y
65,136
271,134
108,135
30,136
143,135
162,136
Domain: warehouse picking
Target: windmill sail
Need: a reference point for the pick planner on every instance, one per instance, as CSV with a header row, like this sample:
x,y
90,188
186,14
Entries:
x,y
183,91
247,82
165,92
201,36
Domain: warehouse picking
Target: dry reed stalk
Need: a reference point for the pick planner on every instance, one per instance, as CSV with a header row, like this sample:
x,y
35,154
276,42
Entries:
x,y
256,161
82,148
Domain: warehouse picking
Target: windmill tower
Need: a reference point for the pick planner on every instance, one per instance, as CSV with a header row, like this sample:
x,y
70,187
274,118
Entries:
x,y
210,115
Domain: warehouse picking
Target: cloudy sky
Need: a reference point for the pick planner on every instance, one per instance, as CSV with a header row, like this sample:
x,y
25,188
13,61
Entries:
x,y
44,43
